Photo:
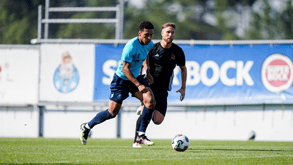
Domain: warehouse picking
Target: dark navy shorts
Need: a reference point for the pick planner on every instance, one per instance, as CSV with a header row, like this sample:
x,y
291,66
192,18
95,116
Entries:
x,y
161,95
121,88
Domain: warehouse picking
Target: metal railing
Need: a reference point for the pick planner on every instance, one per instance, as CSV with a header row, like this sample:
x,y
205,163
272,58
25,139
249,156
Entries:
x,y
183,42
119,9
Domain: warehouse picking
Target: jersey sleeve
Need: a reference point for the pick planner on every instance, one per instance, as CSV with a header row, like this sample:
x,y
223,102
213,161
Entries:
x,y
128,52
181,59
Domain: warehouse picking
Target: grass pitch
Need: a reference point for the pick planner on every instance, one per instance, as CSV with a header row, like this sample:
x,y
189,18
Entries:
x,y
120,151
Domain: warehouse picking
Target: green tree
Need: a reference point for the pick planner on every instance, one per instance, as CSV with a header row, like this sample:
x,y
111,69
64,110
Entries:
x,y
17,21
287,20
194,19
87,31
270,23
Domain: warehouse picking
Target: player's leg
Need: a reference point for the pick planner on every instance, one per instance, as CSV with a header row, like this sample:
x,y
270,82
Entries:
x,y
119,92
149,104
109,113
102,116
146,116
161,105
136,144
158,117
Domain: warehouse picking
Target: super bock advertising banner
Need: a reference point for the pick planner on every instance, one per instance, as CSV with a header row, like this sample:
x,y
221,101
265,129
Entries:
x,y
216,74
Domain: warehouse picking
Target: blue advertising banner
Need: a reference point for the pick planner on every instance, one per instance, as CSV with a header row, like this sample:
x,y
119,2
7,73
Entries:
x,y
217,74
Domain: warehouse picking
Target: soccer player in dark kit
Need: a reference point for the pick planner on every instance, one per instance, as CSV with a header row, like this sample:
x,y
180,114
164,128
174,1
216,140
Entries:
x,y
160,63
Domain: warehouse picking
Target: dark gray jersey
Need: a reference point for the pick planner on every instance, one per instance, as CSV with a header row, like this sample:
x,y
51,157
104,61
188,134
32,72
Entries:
x,y
163,61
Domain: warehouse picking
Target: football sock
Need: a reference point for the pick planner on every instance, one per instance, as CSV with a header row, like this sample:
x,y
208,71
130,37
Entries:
x,y
145,118
99,118
141,133
138,121
87,126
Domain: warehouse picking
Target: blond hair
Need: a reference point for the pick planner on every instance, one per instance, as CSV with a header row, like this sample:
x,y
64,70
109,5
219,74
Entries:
x,y
168,24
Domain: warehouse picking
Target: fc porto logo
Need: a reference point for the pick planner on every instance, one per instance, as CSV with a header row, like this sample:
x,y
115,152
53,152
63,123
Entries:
x,y
276,73
66,77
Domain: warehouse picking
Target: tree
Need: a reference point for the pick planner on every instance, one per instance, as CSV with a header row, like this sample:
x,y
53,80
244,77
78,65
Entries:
x,y
86,31
287,21
270,23
18,21
194,19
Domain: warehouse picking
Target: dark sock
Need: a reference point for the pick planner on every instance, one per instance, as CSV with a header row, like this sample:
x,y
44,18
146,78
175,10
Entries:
x,y
145,118
100,117
138,121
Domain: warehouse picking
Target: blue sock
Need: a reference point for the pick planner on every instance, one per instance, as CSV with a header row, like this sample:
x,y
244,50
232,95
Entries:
x,y
146,117
99,118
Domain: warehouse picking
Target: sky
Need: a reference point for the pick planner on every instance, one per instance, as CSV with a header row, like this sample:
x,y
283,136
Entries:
x,y
137,3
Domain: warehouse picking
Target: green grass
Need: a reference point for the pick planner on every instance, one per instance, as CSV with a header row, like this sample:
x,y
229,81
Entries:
x,y
120,151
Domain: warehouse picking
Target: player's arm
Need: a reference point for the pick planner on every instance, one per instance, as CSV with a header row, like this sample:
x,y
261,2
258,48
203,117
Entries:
x,y
183,82
129,75
183,76
146,67
140,70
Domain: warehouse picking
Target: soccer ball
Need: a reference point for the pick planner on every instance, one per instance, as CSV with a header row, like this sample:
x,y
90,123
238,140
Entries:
x,y
180,142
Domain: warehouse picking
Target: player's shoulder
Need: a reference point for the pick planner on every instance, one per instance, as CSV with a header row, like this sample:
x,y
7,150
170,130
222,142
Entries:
x,y
175,46
151,44
132,41
156,45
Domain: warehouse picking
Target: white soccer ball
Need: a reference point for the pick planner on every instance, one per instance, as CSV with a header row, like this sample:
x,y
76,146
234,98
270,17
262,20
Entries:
x,y
180,142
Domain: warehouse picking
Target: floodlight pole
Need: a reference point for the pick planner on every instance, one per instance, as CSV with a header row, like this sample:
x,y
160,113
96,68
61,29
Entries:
x,y
120,17
47,17
40,22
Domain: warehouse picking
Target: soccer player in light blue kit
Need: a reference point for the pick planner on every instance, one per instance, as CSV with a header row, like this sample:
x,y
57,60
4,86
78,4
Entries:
x,y
127,80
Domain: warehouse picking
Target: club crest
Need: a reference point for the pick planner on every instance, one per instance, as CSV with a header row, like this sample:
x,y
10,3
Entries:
x,y
173,56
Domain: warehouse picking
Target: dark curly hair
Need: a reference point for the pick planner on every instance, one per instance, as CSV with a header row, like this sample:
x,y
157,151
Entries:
x,y
145,25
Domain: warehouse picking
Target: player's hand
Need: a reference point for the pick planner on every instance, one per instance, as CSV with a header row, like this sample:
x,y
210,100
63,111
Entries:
x,y
182,93
142,88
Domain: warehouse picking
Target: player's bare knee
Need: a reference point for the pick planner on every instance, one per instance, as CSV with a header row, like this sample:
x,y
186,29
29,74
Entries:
x,y
147,105
150,104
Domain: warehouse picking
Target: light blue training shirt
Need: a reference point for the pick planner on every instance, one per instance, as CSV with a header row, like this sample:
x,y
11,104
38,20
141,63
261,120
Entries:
x,y
134,53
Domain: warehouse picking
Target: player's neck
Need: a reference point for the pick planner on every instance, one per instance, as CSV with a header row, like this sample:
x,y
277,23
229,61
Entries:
x,y
140,41
165,44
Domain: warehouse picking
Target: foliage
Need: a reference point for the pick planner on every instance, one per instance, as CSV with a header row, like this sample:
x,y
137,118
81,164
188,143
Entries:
x,y
16,21
270,23
194,19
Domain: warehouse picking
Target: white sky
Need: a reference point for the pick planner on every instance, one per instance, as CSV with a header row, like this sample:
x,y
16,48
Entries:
x,y
137,3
